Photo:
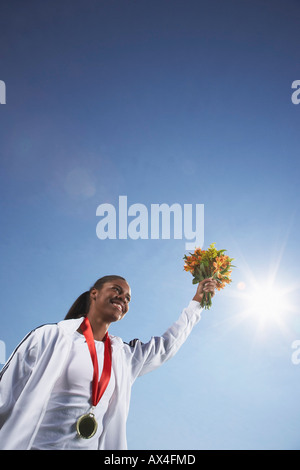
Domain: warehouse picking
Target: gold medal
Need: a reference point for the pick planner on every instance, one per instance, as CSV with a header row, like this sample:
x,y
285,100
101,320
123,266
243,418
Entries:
x,y
86,426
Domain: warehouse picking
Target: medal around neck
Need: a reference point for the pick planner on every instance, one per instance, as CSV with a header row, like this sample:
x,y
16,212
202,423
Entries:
x,y
87,426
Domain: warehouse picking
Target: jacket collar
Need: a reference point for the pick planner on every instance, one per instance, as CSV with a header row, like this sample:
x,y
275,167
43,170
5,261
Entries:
x,y
68,327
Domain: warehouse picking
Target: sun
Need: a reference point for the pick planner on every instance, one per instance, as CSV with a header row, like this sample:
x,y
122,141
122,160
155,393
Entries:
x,y
267,296
266,303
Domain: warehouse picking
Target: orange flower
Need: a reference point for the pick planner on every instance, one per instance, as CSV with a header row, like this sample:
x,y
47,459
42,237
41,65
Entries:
x,y
209,263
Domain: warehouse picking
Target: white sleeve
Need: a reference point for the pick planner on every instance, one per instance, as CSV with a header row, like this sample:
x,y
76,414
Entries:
x,y
146,357
15,374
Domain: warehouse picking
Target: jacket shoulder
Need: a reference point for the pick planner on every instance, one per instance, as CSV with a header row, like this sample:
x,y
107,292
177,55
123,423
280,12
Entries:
x,y
30,344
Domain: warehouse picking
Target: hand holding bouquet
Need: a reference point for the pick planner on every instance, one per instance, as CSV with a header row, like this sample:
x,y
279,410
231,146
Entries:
x,y
210,264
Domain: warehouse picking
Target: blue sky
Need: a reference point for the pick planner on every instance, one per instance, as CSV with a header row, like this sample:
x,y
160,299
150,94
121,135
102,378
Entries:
x,y
164,102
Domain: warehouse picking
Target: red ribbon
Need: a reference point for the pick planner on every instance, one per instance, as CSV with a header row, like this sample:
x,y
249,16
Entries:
x,y
99,387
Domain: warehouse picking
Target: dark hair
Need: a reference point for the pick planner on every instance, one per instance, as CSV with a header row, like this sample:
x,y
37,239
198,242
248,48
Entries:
x,y
81,305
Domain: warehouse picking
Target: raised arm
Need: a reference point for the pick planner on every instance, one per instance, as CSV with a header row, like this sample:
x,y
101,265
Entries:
x,y
148,356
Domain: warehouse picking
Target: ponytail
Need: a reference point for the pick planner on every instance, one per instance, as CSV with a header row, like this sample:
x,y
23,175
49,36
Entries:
x,y
81,306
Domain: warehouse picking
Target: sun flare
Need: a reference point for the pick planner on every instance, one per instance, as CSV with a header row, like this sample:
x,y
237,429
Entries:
x,y
267,303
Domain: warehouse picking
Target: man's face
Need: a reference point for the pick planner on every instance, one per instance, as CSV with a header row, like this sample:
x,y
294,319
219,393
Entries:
x,y
112,300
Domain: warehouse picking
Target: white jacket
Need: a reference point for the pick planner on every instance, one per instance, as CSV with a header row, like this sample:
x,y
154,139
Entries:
x,y
27,379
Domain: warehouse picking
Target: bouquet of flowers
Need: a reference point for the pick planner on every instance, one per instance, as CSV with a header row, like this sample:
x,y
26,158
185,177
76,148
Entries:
x,y
210,263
